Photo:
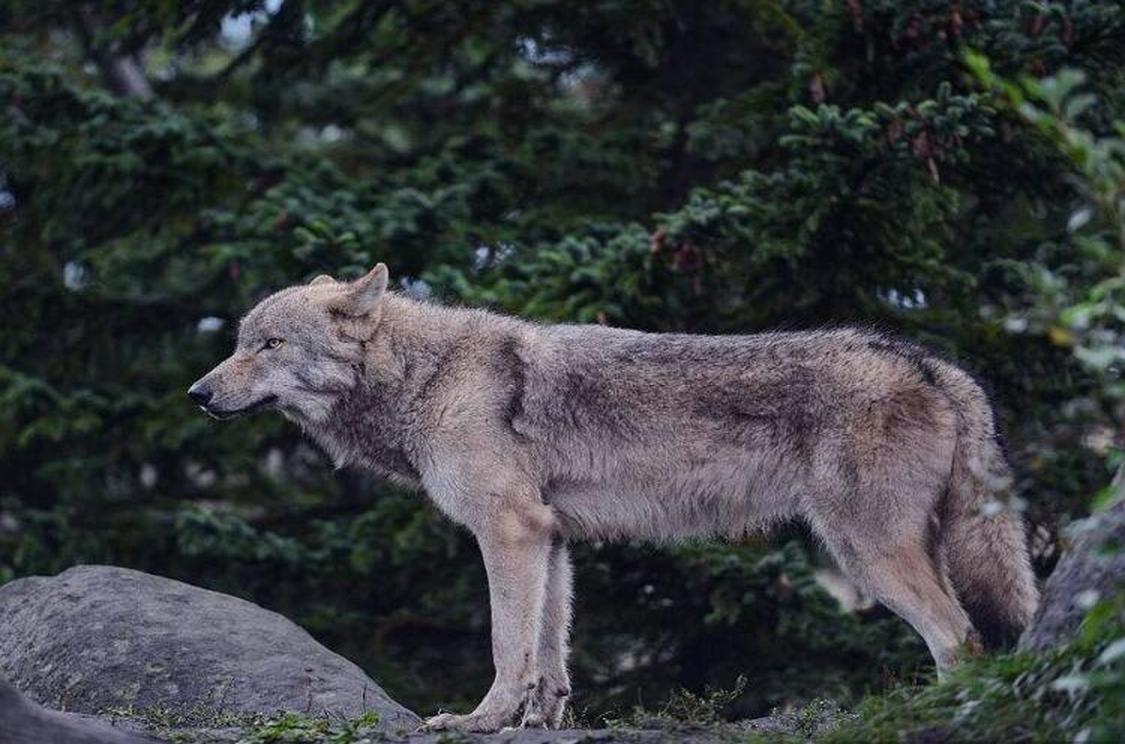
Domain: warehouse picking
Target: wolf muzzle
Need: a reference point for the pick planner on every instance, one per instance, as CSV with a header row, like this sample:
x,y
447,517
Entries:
x,y
202,395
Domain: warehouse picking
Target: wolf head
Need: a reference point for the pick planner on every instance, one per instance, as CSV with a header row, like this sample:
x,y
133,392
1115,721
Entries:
x,y
299,350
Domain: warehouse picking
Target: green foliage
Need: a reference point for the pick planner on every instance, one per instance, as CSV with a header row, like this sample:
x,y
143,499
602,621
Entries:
x,y
1081,286
1074,693
706,167
207,724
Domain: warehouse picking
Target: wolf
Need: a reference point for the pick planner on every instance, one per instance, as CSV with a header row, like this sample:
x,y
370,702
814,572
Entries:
x,y
533,436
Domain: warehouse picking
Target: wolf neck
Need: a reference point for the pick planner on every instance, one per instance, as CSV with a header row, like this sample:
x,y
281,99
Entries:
x,y
377,425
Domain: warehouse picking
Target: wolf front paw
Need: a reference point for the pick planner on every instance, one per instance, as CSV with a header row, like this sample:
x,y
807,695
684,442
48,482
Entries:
x,y
475,723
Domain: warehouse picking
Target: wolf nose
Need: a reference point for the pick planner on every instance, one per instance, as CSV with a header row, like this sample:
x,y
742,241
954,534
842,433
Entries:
x,y
200,393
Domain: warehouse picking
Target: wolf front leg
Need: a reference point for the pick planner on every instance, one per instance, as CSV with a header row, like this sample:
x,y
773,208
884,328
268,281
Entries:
x,y
516,546
548,699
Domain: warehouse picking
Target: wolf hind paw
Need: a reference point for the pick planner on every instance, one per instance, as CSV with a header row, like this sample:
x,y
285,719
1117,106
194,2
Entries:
x,y
544,709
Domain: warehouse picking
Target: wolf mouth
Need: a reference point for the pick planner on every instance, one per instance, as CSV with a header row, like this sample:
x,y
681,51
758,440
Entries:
x,y
223,415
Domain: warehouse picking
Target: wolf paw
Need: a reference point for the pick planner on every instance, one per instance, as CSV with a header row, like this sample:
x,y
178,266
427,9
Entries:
x,y
475,723
534,719
545,707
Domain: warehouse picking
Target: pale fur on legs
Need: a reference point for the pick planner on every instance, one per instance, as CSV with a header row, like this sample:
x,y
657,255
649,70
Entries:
x,y
517,549
547,702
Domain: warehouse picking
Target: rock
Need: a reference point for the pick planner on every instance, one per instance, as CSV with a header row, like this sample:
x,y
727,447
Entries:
x,y
574,736
95,638
124,652
508,736
1094,568
24,722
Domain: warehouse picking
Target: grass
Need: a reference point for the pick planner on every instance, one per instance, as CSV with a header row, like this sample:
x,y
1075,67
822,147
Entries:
x,y
293,728
1073,693
192,725
683,709
164,719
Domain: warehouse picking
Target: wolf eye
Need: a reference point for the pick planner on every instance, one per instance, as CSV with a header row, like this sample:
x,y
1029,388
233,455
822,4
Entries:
x,y
273,343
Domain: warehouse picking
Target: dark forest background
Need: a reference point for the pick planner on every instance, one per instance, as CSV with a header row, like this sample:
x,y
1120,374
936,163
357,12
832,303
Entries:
x,y
951,171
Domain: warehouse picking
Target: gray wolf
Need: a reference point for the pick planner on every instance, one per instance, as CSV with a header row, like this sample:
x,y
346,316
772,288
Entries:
x,y
535,435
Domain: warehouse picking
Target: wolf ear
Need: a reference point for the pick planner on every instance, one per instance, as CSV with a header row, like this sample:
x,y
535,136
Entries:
x,y
363,294
322,279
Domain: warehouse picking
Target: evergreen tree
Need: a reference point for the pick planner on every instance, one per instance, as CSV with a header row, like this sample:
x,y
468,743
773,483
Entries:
x,y
709,167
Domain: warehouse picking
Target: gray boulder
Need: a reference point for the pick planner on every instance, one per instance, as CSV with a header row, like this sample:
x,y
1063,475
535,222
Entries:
x,y
1093,568
95,638
24,722
578,736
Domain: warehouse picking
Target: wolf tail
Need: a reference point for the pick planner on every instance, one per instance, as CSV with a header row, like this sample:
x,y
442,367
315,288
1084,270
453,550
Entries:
x,y
983,542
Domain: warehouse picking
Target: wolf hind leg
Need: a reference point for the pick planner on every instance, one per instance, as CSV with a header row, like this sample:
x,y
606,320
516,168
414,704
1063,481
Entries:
x,y
891,562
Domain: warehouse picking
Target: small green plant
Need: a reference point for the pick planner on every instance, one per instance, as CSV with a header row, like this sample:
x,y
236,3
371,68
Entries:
x,y
287,727
814,719
818,716
294,728
683,708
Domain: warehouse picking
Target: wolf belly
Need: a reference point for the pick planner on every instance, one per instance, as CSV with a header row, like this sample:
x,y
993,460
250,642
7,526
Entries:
x,y
728,494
